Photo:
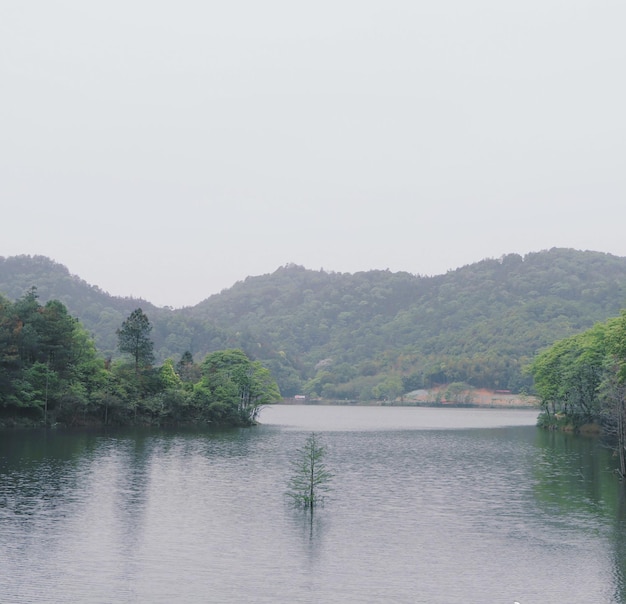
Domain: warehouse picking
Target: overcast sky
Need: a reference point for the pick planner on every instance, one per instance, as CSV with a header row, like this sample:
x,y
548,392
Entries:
x,y
166,150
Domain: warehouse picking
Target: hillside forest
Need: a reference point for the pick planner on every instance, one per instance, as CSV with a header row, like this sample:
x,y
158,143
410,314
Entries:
x,y
372,335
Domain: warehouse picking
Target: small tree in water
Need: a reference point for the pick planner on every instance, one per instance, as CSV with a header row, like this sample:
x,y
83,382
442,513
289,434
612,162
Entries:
x,y
310,479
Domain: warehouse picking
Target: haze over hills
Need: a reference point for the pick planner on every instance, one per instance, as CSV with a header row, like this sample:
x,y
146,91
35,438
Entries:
x,y
368,334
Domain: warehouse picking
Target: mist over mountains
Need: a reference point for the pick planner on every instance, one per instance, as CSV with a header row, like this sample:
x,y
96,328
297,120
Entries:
x,y
372,333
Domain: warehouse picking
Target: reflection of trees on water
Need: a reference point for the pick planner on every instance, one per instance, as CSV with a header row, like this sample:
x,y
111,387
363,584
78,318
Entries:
x,y
42,472
311,527
131,484
48,479
573,473
618,544
576,482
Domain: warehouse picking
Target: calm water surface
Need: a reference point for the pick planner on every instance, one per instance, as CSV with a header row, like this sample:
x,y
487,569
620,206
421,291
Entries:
x,y
429,505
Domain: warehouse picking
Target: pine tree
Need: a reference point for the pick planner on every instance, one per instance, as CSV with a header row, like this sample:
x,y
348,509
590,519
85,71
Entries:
x,y
134,338
310,479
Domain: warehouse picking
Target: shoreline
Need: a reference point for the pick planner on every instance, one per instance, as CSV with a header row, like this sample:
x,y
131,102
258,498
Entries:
x,y
479,398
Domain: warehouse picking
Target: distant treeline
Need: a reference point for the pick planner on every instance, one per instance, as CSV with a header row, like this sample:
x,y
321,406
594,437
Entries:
x,y
368,335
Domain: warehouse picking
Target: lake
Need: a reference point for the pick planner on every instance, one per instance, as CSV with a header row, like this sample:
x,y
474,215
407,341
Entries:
x,y
428,505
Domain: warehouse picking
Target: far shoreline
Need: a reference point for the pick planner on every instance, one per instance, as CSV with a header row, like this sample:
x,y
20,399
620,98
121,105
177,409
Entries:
x,y
434,397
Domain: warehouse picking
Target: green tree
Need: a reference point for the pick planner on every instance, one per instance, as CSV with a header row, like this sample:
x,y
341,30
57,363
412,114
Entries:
x,y
57,333
568,375
310,479
389,388
187,370
613,389
584,378
170,380
236,387
134,338
9,353
27,318
48,362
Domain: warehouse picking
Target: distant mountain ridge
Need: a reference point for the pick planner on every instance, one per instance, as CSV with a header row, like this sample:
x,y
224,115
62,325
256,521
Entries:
x,y
367,334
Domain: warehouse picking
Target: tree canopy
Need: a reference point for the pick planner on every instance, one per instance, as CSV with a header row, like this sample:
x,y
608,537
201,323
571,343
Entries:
x,y
47,360
582,379
50,372
237,386
134,338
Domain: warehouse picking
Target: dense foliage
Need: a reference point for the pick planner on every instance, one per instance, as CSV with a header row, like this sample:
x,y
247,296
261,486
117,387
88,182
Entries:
x,y
48,363
50,372
377,334
582,379
372,334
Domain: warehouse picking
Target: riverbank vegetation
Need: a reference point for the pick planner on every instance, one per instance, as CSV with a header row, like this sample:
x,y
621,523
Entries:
x,y
581,383
371,335
51,372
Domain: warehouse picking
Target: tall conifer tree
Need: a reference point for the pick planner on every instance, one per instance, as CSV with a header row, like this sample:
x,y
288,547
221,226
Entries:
x,y
134,338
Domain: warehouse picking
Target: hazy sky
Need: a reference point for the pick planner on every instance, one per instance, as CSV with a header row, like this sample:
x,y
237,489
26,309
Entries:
x,y
166,150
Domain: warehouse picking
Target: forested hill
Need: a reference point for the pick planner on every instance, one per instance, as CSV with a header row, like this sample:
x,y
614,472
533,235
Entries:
x,y
374,333
101,313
